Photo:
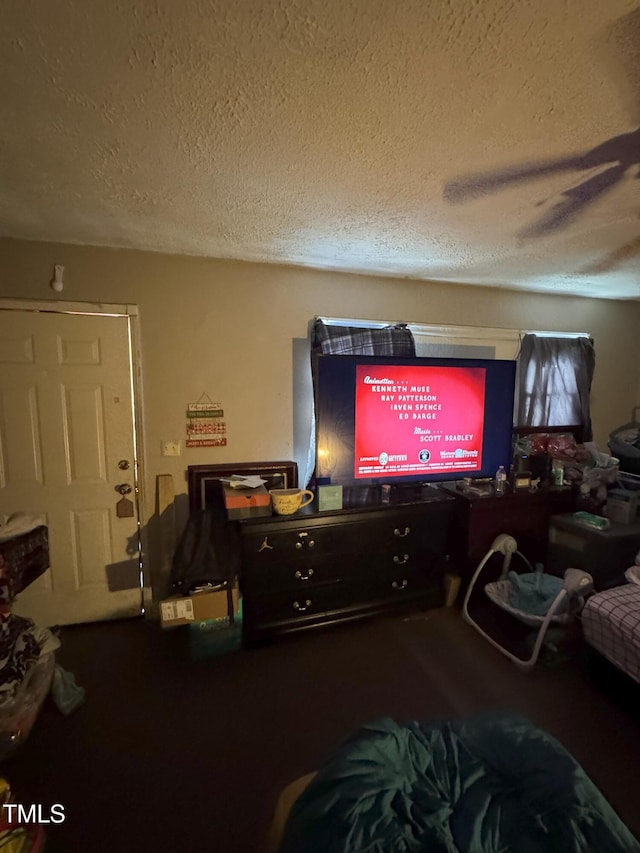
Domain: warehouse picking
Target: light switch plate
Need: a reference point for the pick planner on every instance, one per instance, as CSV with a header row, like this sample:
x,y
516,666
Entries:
x,y
171,448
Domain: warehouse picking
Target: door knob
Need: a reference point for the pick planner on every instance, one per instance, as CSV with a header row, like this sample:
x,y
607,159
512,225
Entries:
x,y
123,488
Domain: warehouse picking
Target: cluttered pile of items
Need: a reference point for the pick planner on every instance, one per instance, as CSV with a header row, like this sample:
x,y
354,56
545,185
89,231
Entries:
x,y
27,652
28,667
604,490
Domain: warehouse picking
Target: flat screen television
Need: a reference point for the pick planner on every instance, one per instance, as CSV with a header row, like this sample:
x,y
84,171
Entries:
x,y
384,420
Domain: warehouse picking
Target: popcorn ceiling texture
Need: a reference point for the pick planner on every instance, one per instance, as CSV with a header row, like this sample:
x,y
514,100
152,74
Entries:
x,y
325,133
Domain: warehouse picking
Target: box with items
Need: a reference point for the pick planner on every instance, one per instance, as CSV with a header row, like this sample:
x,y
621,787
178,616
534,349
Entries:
x,y
244,502
213,617
603,549
214,603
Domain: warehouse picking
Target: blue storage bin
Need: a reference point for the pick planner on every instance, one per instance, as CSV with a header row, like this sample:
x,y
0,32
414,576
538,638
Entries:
x,y
212,637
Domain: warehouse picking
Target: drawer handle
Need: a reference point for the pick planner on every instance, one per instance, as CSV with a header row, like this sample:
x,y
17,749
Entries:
x,y
302,577
400,561
310,544
302,607
403,584
401,533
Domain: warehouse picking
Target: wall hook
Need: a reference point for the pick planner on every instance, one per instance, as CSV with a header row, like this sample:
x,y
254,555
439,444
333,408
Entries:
x,y
57,283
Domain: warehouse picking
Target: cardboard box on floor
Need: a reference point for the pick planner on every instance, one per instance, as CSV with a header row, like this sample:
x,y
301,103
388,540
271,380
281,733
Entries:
x,y
183,610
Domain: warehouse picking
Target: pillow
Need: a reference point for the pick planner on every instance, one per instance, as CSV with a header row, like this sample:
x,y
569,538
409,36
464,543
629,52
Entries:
x,y
633,575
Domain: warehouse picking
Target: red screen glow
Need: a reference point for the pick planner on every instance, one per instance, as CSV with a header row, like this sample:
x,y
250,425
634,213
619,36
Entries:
x,y
418,420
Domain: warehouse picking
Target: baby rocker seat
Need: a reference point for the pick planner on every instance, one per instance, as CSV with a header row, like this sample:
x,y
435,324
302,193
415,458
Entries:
x,y
536,599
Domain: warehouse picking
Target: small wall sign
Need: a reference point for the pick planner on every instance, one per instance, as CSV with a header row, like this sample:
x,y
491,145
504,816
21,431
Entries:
x,y
206,426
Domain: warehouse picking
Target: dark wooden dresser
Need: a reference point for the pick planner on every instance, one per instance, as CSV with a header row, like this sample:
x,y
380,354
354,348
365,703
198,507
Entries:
x,y
525,515
317,568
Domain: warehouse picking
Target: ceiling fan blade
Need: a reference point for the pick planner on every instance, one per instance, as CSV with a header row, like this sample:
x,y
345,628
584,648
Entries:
x,y
573,201
614,259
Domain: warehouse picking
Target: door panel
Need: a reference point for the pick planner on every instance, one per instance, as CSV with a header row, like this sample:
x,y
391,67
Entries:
x,y
66,419
21,434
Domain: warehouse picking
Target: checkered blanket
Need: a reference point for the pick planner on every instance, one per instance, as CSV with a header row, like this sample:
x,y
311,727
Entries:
x,y
611,623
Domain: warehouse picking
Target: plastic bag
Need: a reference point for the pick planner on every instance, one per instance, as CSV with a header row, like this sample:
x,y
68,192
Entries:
x,y
18,715
65,692
601,468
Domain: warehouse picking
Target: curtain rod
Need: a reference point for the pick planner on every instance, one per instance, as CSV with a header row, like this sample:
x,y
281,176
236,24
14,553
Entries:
x,y
453,331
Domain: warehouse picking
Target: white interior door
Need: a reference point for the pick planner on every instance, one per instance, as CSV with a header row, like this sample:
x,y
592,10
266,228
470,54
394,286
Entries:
x,y
66,427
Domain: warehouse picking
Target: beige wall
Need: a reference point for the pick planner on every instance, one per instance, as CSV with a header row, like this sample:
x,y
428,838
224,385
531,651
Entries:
x,y
226,328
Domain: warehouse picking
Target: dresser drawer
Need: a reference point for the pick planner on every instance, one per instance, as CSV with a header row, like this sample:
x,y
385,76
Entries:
x,y
390,562
270,544
295,574
403,586
283,612
428,534
302,571
297,608
393,577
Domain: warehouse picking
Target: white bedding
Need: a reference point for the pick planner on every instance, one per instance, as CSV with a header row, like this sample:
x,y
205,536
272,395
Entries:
x,y
611,623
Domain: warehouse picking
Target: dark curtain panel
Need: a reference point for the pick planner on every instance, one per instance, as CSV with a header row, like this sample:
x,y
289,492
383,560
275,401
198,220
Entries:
x,y
396,340
554,382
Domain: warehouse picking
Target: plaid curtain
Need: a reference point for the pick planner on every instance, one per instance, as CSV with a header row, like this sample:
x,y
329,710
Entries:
x,y
396,340
354,340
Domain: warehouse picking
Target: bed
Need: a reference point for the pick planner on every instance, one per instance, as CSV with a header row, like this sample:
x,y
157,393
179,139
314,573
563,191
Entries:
x,y
611,625
486,784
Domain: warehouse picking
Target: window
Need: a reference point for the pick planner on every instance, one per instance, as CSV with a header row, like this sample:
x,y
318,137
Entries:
x,y
554,382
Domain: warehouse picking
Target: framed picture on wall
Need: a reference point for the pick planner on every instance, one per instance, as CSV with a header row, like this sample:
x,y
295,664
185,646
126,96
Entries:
x,y
203,480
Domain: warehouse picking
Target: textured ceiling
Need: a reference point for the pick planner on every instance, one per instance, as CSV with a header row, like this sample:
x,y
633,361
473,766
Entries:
x,y
476,141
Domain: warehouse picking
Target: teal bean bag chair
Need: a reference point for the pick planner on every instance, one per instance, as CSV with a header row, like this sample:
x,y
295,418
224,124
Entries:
x,y
488,784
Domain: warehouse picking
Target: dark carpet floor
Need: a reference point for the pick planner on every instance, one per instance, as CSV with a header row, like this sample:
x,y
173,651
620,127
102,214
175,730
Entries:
x,y
167,754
